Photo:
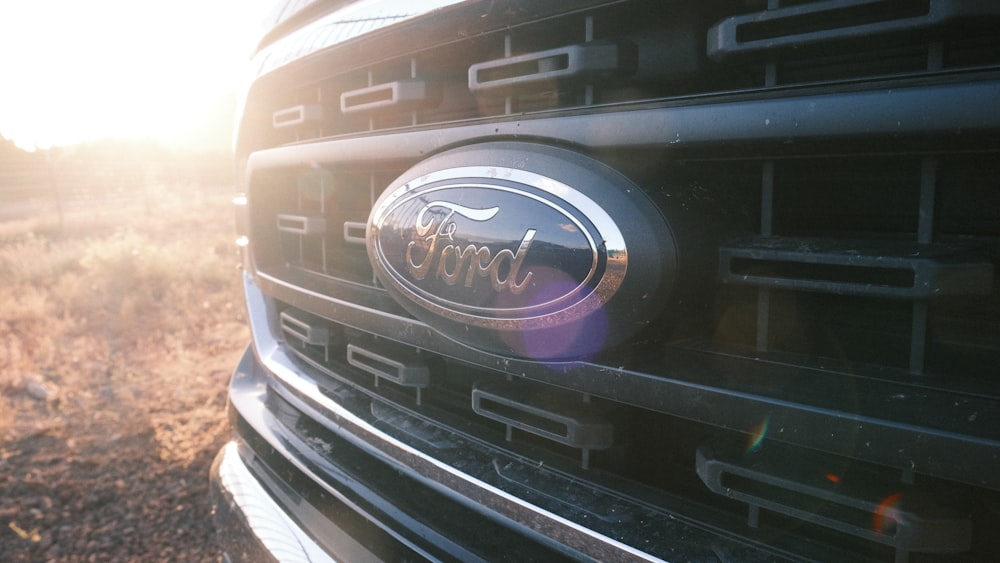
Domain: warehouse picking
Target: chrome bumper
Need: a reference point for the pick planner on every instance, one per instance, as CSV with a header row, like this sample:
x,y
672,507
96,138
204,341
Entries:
x,y
250,524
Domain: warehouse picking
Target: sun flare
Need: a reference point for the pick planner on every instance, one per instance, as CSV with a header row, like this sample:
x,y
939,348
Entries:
x,y
76,71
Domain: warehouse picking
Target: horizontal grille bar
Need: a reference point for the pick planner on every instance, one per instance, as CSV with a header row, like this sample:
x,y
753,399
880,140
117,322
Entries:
x,y
851,504
792,124
886,269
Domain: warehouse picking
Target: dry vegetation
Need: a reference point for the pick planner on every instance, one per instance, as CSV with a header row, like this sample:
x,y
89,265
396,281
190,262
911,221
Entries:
x,y
118,331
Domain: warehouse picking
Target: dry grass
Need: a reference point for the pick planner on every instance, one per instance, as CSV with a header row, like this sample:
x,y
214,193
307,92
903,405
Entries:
x,y
118,326
120,296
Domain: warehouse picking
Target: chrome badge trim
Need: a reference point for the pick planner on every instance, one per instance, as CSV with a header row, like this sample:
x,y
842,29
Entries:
x,y
437,243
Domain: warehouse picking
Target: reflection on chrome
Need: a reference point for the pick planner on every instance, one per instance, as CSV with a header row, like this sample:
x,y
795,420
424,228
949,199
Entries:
x,y
279,534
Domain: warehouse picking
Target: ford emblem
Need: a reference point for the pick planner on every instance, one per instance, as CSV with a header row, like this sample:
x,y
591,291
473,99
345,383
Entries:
x,y
520,248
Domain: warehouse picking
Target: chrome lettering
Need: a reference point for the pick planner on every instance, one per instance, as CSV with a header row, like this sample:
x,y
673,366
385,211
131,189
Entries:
x,y
455,262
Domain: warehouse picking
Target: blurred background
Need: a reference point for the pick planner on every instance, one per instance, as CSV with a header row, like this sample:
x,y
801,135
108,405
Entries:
x,y
110,96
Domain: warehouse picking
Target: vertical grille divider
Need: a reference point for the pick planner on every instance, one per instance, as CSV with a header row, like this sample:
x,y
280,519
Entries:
x,y
319,101
371,203
766,210
413,75
925,235
371,117
300,210
771,67
509,103
322,211
588,36
935,56
766,230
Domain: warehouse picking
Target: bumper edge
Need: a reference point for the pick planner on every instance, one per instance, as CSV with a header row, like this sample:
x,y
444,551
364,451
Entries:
x,y
251,526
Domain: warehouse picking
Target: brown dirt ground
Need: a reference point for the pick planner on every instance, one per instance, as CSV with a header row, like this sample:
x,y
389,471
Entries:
x,y
118,332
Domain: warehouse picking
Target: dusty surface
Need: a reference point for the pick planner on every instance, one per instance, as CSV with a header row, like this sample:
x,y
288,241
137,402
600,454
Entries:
x,y
118,332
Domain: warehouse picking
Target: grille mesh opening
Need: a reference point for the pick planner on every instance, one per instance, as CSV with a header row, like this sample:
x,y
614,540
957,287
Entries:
x,y
834,273
845,16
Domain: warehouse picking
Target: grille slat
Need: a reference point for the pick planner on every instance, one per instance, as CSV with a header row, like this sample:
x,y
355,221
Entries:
x,y
622,60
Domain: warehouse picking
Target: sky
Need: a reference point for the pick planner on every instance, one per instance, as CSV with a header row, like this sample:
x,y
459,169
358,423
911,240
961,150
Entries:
x,y
73,71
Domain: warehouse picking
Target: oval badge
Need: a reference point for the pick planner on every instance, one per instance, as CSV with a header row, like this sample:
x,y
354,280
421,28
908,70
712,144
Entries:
x,y
517,248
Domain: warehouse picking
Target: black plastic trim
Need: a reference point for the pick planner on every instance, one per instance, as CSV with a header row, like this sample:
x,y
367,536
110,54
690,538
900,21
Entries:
x,y
472,478
780,123
836,20
892,269
861,417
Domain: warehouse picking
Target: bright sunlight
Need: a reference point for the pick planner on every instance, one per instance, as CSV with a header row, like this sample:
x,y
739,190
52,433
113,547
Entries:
x,y
73,71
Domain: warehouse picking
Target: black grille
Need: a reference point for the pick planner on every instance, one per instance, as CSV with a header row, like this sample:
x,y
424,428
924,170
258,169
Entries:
x,y
841,232
876,260
647,51
315,219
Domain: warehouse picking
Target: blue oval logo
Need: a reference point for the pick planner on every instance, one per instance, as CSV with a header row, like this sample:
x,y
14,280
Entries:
x,y
496,247
512,248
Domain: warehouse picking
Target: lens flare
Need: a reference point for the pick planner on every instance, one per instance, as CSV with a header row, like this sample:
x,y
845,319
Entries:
x,y
757,434
579,339
887,514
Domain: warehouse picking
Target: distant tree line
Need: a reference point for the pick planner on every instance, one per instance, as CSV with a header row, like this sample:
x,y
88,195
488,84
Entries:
x,y
107,167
